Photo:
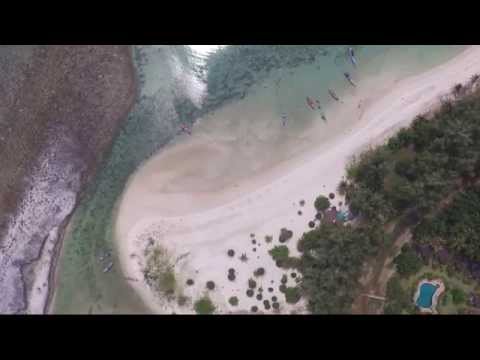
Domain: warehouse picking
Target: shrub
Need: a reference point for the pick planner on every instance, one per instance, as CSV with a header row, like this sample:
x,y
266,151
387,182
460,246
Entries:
x,y
190,282
231,277
282,288
274,299
252,284
302,202
311,224
321,203
270,289
292,295
458,296
259,272
331,196
276,305
408,262
204,306
231,253
284,279
285,235
266,304
249,292
259,297
268,238
293,275
210,285
182,300
254,309
279,252
233,301
244,257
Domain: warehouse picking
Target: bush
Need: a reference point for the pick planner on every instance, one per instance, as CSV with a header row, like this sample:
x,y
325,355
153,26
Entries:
x,y
284,279
266,304
274,299
408,262
292,295
233,301
268,238
204,306
231,277
259,297
182,300
311,224
302,202
285,235
279,252
252,284
331,196
249,292
231,253
321,203
276,305
210,285
282,288
458,296
190,282
259,272
254,309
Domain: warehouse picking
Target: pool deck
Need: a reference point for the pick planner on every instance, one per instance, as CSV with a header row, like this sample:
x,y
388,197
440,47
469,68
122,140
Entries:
x,y
440,290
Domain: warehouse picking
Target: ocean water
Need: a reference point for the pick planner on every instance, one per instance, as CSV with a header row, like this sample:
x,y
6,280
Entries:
x,y
181,84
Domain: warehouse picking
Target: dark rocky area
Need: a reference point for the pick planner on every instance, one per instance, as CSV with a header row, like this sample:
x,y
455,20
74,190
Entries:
x,y
60,109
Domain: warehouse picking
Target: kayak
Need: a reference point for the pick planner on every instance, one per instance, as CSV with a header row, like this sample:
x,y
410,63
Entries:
x,y
351,54
333,95
348,77
310,103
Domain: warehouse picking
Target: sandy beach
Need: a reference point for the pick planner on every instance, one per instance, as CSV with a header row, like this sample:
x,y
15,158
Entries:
x,y
214,191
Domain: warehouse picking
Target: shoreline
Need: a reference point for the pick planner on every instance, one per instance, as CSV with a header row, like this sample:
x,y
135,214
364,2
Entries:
x,y
64,230
254,206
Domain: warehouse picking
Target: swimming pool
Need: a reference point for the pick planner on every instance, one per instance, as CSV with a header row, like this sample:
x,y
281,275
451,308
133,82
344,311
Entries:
x,y
425,298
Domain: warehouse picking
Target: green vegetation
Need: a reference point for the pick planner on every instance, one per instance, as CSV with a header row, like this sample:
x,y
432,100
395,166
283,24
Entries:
x,y
279,252
458,296
204,306
457,227
159,273
233,301
285,235
408,262
259,272
405,181
398,300
322,203
292,295
331,263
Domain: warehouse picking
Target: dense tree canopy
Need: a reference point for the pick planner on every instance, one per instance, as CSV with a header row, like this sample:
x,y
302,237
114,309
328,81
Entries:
x,y
412,174
331,262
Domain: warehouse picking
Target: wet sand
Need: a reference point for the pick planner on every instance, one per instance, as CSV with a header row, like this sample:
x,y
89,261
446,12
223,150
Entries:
x,y
207,193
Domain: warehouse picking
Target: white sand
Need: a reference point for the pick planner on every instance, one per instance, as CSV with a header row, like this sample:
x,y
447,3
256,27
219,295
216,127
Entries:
x,y
191,200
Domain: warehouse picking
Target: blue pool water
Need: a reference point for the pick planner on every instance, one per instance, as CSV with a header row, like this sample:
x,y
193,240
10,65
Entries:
x,y
425,297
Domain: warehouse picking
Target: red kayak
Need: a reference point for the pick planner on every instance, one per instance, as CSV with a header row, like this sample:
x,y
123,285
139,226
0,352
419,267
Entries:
x,y
310,103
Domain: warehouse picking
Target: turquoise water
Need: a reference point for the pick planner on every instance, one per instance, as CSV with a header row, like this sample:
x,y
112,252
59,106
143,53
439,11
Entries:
x,y
176,86
425,298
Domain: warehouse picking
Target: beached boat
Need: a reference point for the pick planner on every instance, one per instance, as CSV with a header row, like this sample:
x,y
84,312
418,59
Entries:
x,y
333,95
108,267
310,103
351,54
349,78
